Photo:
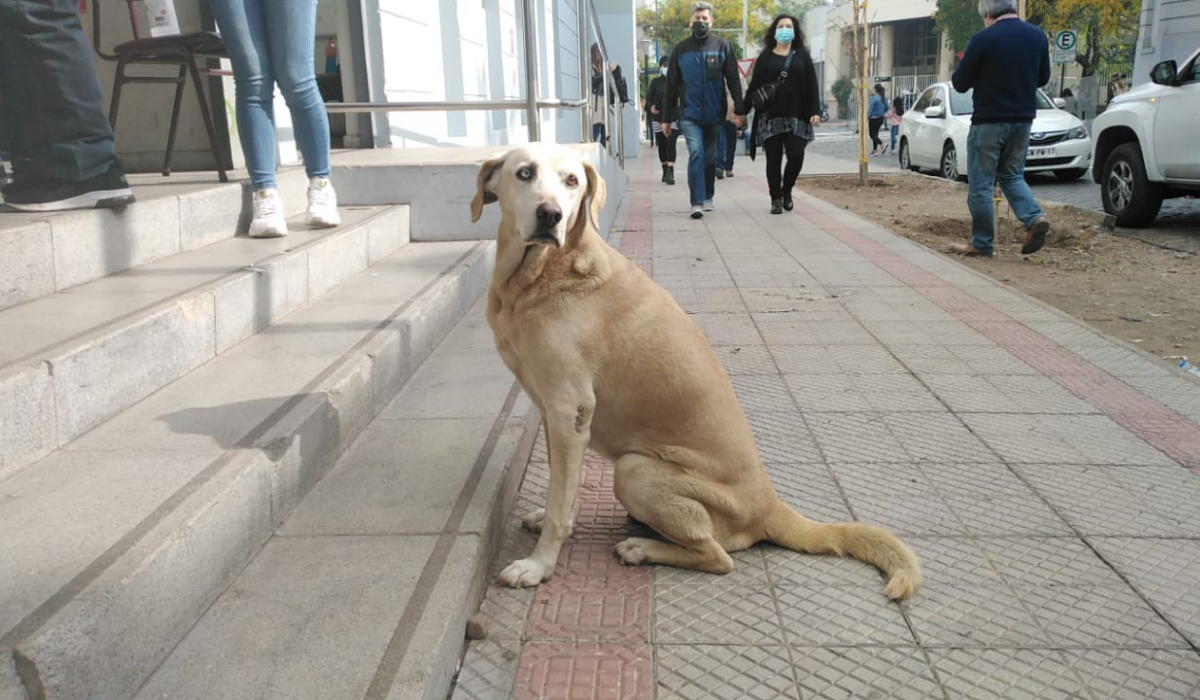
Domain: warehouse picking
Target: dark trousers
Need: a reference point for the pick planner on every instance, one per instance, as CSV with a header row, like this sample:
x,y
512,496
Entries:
x,y
599,135
874,123
666,146
775,148
51,105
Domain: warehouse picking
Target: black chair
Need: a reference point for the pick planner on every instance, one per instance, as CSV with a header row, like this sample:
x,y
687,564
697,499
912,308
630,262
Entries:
x,y
181,50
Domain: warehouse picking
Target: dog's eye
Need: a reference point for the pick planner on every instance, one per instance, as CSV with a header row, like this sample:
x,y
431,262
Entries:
x,y
525,173
572,181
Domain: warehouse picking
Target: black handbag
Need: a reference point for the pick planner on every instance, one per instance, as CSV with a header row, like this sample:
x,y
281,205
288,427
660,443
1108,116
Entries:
x,y
763,96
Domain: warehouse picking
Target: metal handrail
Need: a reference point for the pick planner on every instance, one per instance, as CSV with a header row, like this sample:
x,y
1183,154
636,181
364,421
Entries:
x,y
587,18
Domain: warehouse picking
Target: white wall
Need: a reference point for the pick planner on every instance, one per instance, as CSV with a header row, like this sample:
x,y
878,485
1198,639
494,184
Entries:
x,y
1170,30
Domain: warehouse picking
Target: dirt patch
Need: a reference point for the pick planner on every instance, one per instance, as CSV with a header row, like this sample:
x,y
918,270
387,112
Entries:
x,y
1127,288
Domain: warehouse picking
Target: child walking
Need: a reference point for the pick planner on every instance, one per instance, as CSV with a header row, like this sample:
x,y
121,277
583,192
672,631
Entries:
x,y
893,119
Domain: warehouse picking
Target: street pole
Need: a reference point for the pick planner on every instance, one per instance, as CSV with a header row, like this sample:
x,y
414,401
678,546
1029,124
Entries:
x,y
745,26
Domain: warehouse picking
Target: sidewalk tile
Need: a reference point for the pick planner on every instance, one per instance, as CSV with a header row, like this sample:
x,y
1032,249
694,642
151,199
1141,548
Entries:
x,y
1138,675
724,673
1166,572
835,615
836,673
976,616
1007,674
706,614
550,671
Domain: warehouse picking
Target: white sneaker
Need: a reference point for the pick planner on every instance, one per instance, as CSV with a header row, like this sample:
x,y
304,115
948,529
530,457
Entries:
x,y
697,212
322,204
708,205
268,219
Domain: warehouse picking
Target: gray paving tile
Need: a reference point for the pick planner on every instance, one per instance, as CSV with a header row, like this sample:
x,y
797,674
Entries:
x,y
762,393
827,393
1047,561
1167,572
796,571
897,393
831,615
975,616
1097,616
746,359
855,437
838,673
1006,515
724,672
936,437
1128,674
720,300
810,489
954,561
782,436
488,670
730,329
1007,674
689,614
1119,500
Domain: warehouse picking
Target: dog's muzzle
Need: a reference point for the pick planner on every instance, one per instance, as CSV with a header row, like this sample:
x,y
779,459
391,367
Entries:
x,y
549,216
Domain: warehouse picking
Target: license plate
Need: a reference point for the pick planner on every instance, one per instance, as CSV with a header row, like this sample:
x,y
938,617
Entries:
x,y
1041,153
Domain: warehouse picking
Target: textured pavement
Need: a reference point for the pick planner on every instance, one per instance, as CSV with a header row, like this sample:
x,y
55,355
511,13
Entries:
x,y
1045,474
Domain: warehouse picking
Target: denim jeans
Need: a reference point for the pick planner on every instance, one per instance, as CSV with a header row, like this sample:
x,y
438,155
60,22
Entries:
x,y
269,42
702,158
726,146
599,135
51,104
996,152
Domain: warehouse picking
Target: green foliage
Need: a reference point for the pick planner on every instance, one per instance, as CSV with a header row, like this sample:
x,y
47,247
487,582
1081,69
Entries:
x,y
841,89
958,20
670,22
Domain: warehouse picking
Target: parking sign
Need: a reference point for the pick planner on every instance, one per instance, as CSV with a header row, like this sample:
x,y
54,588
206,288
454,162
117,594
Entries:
x,y
1064,46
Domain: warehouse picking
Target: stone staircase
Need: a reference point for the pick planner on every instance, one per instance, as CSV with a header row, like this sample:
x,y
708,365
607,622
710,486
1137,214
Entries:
x,y
234,467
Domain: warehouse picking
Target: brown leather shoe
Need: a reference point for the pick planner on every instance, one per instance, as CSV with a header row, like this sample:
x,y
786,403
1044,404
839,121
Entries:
x,y
1036,237
966,249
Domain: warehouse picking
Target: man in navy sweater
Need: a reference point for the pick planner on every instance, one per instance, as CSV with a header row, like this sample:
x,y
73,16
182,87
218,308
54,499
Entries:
x,y
700,69
1006,63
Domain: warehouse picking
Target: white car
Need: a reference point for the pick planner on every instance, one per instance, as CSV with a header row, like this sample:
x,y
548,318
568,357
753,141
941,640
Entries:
x,y
1146,145
933,135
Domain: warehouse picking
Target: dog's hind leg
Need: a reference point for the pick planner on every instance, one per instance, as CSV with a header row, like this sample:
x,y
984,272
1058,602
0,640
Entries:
x,y
648,489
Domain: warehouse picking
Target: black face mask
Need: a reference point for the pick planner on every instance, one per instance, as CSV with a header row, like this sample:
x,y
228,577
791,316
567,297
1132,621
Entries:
x,y
699,30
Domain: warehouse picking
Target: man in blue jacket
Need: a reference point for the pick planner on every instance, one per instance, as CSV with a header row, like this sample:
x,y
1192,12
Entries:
x,y
1006,63
695,97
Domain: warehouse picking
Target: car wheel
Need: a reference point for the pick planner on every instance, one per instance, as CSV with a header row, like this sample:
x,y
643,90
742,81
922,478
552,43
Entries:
x,y
905,161
1070,174
950,162
1125,190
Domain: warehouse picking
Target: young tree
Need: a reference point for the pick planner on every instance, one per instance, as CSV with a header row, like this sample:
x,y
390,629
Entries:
x,y
958,20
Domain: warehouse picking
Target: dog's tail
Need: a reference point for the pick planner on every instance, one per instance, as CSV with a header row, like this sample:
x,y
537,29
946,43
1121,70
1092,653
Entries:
x,y
867,543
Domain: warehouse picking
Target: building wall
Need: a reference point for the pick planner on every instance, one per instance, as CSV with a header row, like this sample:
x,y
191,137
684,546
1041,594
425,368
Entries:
x,y
1170,30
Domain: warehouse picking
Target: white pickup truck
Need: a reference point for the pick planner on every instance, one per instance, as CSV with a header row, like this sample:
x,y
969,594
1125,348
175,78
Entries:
x,y
1147,144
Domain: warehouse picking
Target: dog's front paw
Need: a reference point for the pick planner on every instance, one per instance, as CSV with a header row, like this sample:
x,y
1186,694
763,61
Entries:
x,y
524,572
634,550
533,521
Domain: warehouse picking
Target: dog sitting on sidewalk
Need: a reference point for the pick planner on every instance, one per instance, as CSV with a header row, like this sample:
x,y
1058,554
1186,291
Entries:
x,y
614,364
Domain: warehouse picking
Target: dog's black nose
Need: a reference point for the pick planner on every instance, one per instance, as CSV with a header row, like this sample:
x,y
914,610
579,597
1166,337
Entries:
x,y
549,214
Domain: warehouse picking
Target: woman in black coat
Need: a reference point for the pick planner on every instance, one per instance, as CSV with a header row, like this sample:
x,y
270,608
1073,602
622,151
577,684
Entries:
x,y
785,125
654,111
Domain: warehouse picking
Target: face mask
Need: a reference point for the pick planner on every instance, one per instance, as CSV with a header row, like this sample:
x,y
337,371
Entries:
x,y
663,71
784,35
699,30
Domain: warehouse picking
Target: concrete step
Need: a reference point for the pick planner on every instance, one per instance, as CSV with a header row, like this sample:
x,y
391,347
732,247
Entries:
x,y
114,545
45,253
365,589
73,358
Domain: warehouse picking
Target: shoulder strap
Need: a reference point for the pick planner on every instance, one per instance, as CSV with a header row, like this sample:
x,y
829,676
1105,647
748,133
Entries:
x,y
787,63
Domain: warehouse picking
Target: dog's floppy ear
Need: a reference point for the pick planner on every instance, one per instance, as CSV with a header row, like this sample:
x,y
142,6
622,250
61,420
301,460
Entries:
x,y
483,184
593,199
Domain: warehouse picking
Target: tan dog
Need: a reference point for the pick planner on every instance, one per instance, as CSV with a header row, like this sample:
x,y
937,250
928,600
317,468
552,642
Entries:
x,y
615,364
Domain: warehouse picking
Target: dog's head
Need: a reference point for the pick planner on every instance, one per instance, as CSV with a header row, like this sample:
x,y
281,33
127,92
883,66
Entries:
x,y
547,193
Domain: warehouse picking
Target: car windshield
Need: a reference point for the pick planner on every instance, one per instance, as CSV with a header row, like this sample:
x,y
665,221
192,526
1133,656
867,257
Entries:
x,y
964,102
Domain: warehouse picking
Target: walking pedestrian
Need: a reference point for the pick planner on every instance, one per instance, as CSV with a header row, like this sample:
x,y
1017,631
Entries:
x,y
617,88
271,42
1005,63
695,96
59,139
654,109
876,109
784,122
893,119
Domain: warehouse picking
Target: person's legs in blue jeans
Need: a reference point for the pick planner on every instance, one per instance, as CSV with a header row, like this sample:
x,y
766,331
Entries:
x,y
694,136
730,146
984,145
53,105
711,134
291,30
243,27
1011,175
720,165
598,135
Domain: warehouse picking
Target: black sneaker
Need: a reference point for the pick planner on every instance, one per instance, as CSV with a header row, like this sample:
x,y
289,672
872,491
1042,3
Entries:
x,y
787,202
107,191
720,174
776,206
